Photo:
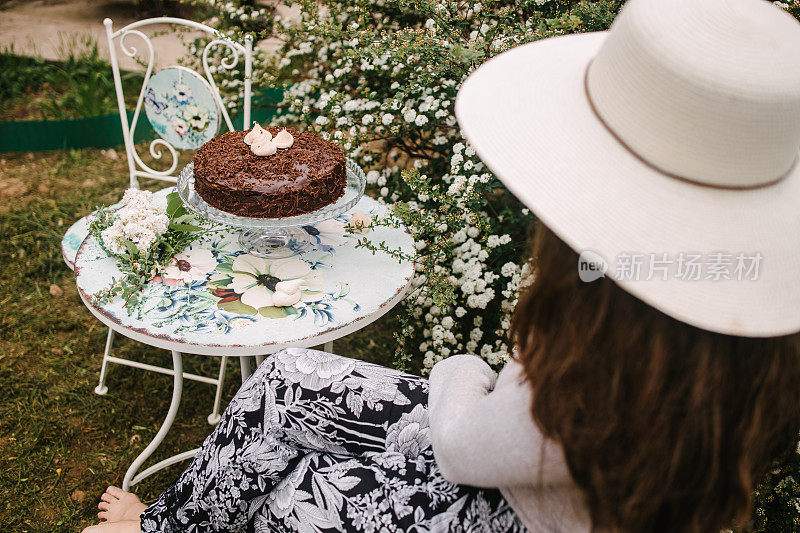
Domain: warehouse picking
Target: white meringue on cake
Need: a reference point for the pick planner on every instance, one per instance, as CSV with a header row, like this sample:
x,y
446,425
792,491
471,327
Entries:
x,y
281,299
284,139
256,134
291,286
263,146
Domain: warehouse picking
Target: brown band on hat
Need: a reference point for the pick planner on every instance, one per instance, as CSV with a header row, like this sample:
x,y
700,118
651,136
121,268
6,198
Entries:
x,y
664,172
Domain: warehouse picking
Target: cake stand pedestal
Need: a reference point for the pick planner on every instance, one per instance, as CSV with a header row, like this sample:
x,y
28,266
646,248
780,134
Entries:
x,y
276,243
274,238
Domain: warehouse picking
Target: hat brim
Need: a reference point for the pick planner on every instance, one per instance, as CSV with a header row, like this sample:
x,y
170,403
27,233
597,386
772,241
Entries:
x,y
527,116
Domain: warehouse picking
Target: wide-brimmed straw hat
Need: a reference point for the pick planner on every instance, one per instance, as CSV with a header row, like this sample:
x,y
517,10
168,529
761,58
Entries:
x,y
668,147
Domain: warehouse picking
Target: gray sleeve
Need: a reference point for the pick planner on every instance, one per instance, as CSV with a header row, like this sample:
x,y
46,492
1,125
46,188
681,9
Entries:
x,y
484,437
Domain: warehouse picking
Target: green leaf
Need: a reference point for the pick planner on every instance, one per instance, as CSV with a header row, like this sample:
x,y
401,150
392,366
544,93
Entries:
x,y
224,267
273,312
344,289
316,295
237,307
131,248
220,280
184,227
174,202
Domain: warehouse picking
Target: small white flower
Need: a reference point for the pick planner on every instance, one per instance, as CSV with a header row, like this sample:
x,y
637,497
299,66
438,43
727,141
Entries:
x,y
240,323
190,265
276,283
359,223
312,369
180,126
112,238
181,92
509,269
196,117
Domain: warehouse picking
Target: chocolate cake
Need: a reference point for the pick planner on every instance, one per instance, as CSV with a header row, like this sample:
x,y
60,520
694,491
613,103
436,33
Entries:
x,y
302,178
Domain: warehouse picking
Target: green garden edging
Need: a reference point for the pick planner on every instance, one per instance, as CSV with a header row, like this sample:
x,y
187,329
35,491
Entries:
x,y
92,132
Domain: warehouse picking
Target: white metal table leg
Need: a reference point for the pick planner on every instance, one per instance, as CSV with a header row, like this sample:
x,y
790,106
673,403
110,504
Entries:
x,y
177,390
244,363
259,360
328,347
214,417
101,388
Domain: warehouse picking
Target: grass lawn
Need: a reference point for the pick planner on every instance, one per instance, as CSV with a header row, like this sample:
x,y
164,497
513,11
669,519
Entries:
x,y
60,444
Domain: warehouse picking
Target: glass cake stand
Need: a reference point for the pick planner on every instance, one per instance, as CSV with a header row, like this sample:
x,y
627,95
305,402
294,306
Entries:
x,y
273,238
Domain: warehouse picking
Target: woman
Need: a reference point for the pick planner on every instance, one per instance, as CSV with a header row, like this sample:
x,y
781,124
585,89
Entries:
x,y
664,151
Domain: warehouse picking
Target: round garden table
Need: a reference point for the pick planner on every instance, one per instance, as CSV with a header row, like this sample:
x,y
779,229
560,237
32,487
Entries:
x,y
222,301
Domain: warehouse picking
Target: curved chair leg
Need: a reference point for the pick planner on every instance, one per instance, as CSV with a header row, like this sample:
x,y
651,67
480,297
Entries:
x,y
214,417
101,388
177,389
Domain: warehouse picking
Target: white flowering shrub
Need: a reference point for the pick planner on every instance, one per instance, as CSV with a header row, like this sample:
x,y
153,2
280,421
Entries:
x,y
233,19
380,79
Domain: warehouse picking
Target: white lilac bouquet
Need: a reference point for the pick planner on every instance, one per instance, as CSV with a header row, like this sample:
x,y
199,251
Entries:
x,y
143,236
139,223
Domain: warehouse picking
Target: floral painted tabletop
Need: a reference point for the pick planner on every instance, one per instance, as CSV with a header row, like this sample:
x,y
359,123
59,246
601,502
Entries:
x,y
216,299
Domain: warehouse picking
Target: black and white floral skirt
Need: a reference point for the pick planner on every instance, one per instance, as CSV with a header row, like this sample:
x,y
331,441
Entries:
x,y
314,442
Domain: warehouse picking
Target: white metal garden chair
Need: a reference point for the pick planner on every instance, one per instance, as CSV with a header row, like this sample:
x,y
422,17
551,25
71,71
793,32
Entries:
x,y
185,109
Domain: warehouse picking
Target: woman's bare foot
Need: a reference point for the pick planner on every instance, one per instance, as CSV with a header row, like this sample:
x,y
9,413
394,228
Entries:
x,y
116,505
126,526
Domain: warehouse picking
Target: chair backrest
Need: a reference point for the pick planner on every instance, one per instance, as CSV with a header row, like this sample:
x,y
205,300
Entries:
x,y
180,122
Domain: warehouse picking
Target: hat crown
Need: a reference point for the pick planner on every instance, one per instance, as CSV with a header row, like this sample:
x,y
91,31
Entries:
x,y
706,90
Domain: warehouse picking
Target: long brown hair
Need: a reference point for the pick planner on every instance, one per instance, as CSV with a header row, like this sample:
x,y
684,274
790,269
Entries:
x,y
665,427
